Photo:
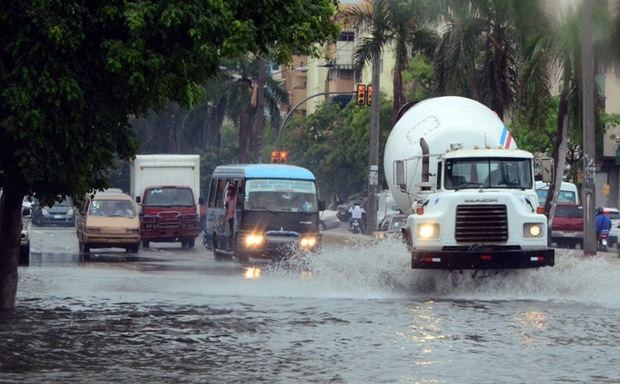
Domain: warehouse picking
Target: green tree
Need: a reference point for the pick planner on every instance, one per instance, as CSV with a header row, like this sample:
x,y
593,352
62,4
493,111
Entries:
x,y
402,23
480,50
333,143
557,53
72,72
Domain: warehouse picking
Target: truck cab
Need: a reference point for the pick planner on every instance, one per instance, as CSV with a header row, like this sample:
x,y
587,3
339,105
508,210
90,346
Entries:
x,y
453,164
169,215
480,213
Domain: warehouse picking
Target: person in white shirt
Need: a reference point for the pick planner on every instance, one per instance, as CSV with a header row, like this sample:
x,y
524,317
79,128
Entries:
x,y
357,213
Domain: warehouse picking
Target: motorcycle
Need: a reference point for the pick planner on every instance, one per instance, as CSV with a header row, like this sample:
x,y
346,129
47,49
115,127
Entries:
x,y
602,241
355,226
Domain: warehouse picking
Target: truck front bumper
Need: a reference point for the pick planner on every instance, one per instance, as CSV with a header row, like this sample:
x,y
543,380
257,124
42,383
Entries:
x,y
506,259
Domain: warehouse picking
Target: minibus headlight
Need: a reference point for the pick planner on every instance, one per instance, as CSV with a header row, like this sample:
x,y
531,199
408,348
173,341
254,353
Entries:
x,y
308,242
532,230
428,231
254,240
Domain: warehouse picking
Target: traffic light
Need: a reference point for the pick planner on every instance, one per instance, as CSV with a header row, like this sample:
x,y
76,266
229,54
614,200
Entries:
x,y
279,157
369,94
360,95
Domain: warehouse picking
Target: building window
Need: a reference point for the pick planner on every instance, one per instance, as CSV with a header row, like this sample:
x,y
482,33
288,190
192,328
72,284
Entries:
x,y
345,74
346,36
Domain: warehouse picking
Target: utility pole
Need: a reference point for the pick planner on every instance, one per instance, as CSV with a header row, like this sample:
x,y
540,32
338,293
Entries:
x,y
589,169
373,156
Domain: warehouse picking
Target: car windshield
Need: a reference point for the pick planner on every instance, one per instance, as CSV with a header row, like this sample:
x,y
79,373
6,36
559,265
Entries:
x,y
488,173
112,208
169,197
281,195
65,203
563,196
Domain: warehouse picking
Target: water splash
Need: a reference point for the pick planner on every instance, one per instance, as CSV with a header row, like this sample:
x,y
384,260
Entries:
x,y
384,269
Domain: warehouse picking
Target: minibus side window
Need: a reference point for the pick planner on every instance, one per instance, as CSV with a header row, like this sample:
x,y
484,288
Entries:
x,y
212,191
220,194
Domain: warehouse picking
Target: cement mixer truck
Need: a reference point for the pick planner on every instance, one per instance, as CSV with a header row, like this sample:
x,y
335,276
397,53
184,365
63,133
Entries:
x,y
452,164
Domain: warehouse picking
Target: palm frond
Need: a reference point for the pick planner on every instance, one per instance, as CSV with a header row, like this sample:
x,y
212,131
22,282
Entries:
x,y
365,51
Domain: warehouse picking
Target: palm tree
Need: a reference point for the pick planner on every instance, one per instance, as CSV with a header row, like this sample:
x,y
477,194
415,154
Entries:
x,y
557,54
402,23
480,50
237,97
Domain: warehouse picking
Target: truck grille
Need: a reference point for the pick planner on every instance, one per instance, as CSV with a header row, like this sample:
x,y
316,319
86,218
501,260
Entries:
x,y
481,223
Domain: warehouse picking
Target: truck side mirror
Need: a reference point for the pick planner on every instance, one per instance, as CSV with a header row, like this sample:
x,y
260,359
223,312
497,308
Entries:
x,y
321,205
399,174
201,200
138,199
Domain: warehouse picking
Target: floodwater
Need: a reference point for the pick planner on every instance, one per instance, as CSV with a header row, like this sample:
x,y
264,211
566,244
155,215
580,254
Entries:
x,y
350,315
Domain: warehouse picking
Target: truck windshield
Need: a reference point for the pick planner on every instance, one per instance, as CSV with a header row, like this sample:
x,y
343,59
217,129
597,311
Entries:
x,y
281,195
488,173
168,197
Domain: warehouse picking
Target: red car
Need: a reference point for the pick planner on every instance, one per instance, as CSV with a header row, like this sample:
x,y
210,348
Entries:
x,y
567,226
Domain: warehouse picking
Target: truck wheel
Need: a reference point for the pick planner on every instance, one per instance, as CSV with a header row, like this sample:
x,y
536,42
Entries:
x,y
84,248
145,243
133,248
191,243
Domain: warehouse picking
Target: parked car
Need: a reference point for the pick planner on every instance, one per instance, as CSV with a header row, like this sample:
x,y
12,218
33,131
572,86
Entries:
x,y
614,233
390,226
60,213
567,226
328,219
108,220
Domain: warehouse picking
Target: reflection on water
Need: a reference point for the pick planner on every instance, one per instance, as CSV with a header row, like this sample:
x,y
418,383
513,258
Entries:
x,y
38,259
350,315
252,273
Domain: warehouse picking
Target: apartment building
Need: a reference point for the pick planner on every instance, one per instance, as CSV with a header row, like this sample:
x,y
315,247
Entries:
x,y
306,76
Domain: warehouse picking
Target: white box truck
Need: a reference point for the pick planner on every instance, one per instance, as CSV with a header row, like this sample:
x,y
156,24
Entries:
x,y
452,164
167,187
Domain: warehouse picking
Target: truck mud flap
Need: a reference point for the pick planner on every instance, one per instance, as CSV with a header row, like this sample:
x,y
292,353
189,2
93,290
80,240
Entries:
x,y
482,260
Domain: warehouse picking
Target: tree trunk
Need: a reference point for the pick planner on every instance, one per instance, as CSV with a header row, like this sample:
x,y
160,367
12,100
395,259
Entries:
x,y
559,158
245,132
10,234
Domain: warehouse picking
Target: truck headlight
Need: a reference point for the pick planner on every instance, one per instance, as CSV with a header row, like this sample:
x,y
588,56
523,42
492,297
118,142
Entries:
x,y
308,242
428,231
254,240
532,230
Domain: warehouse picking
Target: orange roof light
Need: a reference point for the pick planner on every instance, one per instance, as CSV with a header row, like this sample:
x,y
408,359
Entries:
x,y
279,157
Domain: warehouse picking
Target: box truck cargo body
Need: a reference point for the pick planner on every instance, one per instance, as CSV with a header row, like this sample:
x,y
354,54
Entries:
x,y
167,187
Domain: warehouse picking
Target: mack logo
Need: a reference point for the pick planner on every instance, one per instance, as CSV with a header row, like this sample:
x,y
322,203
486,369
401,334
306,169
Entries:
x,y
305,222
481,200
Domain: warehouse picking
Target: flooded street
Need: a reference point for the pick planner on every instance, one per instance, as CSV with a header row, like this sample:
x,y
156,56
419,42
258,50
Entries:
x,y
350,315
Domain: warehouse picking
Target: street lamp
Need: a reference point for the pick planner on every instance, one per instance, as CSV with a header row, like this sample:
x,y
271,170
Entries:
x,y
281,128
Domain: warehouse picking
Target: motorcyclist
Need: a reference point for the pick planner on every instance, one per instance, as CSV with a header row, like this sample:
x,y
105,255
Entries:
x,y
602,222
357,213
